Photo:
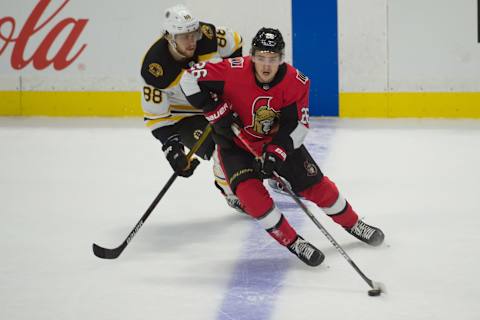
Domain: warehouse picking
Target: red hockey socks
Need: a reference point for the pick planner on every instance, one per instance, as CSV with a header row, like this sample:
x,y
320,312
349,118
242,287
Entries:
x,y
258,204
325,194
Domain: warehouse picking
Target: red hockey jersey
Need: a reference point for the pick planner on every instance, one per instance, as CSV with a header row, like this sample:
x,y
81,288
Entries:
x,y
276,112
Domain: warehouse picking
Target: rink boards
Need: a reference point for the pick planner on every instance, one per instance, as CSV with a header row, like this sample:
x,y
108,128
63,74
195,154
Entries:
x,y
367,59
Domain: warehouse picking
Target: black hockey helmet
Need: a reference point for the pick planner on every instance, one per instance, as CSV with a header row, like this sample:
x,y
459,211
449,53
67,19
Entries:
x,y
268,39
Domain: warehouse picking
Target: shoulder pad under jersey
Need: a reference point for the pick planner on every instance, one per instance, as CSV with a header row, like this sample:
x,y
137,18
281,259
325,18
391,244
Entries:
x,y
207,46
298,86
295,76
159,69
228,42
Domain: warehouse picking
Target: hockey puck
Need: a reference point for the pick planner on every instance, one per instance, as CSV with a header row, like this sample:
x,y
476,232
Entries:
x,y
374,292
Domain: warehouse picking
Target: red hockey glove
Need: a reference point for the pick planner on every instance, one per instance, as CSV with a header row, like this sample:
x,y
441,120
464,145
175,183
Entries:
x,y
221,119
272,157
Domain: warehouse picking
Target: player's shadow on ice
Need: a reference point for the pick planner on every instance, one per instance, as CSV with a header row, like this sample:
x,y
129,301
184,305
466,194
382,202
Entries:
x,y
167,237
242,273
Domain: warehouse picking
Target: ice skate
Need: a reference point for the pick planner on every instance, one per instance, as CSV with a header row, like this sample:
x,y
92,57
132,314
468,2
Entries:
x,y
306,252
367,233
232,200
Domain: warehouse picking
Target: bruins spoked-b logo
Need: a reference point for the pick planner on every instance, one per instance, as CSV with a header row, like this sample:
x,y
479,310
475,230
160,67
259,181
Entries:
x,y
207,31
197,134
263,116
155,69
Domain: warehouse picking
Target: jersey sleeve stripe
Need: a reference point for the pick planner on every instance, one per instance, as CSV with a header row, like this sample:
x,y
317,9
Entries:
x,y
298,135
191,113
178,107
173,107
176,81
164,121
155,116
238,41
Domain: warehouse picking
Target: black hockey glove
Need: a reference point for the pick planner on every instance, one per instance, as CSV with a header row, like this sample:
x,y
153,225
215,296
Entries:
x,y
221,118
273,157
175,155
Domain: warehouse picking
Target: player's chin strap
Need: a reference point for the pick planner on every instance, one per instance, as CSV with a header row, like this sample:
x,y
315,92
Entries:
x,y
377,286
106,253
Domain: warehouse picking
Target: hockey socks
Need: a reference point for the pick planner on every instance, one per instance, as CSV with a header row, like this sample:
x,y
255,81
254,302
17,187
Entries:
x,y
325,194
259,205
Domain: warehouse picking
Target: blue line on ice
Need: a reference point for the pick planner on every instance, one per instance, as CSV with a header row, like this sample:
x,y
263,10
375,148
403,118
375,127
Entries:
x,y
258,275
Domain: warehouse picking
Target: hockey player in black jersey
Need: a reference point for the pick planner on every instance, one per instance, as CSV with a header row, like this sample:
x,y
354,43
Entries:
x,y
173,121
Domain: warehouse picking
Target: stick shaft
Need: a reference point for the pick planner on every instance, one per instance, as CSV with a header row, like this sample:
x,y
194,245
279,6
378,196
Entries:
x,y
106,253
300,203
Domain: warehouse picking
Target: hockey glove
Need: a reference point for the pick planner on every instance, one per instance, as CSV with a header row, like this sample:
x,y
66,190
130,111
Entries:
x,y
273,157
221,119
175,155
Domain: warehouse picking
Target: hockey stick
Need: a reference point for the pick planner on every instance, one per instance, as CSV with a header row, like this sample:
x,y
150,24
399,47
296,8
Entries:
x,y
106,253
376,287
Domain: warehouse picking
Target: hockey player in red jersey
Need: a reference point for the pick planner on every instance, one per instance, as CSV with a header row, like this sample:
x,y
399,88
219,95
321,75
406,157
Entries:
x,y
269,98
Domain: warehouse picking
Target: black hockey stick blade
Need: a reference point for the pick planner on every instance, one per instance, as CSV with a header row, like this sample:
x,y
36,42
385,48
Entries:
x,y
106,253
376,287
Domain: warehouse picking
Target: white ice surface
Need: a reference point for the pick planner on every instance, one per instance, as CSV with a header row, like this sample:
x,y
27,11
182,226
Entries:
x,y
66,183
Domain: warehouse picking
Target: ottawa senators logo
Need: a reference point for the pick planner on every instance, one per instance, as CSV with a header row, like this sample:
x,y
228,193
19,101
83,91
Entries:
x,y
311,169
263,116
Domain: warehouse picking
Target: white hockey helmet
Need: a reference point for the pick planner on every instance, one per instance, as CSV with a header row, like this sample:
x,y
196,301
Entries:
x,y
178,19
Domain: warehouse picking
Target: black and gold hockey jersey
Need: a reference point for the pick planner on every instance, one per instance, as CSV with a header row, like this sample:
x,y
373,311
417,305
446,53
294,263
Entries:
x,y
163,102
